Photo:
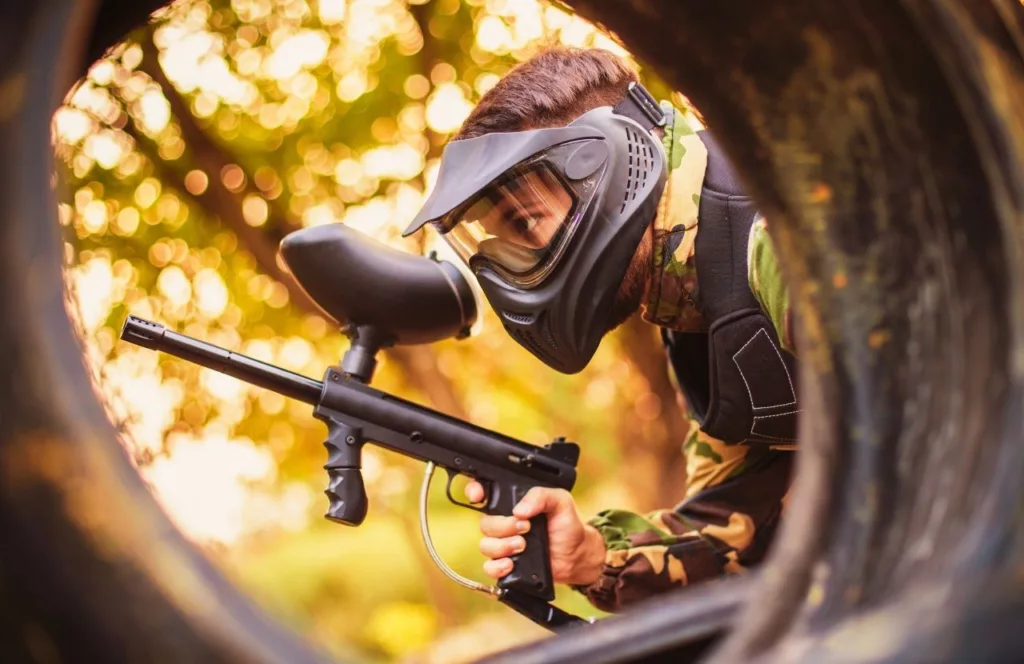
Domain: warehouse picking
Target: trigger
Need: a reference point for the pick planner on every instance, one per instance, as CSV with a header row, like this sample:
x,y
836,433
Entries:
x,y
479,507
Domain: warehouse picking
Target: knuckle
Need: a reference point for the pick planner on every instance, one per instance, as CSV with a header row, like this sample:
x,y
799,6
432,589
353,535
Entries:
x,y
561,496
557,498
536,496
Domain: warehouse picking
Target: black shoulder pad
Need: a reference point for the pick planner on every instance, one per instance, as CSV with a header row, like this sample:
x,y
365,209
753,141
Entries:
x,y
739,383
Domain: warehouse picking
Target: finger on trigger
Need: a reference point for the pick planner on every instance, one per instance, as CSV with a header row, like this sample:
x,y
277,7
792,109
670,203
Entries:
x,y
475,492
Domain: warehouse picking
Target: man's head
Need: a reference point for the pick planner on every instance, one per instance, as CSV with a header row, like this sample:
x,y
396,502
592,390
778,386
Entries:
x,y
548,192
551,90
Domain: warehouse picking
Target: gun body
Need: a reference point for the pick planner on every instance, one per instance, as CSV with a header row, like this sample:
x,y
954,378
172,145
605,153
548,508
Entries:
x,y
356,414
506,467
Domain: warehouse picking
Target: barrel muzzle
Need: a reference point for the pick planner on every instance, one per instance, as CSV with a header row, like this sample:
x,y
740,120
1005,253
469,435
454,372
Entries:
x,y
142,332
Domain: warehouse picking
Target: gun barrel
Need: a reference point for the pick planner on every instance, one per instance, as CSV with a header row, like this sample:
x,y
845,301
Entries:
x,y
155,336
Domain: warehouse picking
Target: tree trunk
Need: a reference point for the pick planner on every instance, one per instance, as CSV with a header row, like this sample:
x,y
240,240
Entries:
x,y
655,444
417,363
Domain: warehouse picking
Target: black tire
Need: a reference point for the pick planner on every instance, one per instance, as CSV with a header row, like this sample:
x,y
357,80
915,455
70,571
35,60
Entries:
x,y
902,120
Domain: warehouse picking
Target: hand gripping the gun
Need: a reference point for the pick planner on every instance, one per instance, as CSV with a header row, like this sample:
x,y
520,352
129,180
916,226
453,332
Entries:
x,y
384,297
577,549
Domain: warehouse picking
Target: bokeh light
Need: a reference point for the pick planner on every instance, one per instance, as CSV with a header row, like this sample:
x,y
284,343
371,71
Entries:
x,y
185,156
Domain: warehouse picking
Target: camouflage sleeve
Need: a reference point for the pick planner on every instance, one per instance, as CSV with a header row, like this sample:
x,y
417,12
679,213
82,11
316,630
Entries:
x,y
766,281
734,500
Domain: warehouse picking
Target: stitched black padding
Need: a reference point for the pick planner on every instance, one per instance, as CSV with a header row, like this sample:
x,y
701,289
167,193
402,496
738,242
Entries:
x,y
779,429
730,414
759,360
738,382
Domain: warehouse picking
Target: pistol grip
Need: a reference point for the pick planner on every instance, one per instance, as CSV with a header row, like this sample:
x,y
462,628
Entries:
x,y
531,572
345,490
347,496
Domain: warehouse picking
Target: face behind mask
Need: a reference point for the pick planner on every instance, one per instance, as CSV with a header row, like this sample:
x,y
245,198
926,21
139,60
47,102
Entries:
x,y
549,219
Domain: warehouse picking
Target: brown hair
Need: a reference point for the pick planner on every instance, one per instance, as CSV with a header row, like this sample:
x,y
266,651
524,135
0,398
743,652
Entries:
x,y
551,90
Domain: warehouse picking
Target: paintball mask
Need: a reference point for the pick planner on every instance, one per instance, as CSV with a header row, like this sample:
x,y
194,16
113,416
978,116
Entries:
x,y
549,219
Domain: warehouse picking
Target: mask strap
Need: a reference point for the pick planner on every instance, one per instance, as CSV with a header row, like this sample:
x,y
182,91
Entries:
x,y
639,105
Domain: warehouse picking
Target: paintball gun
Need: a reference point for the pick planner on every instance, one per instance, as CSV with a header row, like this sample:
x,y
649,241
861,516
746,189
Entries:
x,y
380,297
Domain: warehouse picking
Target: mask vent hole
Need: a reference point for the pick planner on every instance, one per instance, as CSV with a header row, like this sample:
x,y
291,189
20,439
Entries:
x,y
541,344
522,319
550,339
529,342
645,168
637,177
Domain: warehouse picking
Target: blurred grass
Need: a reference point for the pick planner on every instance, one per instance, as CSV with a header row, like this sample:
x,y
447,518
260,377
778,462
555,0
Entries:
x,y
329,580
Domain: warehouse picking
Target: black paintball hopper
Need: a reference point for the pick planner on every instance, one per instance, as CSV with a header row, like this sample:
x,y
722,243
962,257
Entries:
x,y
361,282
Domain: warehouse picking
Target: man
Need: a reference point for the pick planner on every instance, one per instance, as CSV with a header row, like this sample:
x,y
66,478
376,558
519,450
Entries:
x,y
576,200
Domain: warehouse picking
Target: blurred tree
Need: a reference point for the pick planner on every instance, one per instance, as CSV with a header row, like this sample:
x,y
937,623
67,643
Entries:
x,y
188,152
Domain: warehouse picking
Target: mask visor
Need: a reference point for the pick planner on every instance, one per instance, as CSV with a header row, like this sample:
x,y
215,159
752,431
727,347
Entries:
x,y
520,223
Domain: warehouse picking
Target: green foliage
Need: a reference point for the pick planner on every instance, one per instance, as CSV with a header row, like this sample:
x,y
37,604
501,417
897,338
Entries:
x,y
180,174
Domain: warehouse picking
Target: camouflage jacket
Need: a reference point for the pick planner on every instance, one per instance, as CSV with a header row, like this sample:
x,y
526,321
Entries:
x,y
735,494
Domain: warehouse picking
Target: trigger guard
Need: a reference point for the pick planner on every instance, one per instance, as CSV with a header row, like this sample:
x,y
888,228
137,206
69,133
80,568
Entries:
x,y
479,507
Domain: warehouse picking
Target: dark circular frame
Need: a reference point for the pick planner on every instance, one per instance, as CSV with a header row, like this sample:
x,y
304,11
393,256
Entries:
x,y
884,141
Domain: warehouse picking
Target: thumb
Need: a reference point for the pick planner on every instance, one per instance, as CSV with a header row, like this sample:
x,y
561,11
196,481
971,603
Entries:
x,y
541,500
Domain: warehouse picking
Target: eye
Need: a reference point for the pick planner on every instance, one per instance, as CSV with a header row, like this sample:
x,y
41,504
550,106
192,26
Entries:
x,y
521,224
